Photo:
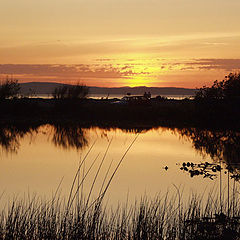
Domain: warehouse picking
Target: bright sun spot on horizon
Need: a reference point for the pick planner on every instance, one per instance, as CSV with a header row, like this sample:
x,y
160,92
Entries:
x,y
142,71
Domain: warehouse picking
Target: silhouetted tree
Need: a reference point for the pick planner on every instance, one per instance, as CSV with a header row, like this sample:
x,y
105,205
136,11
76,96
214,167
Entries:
x,y
71,92
227,89
77,91
231,86
60,92
9,88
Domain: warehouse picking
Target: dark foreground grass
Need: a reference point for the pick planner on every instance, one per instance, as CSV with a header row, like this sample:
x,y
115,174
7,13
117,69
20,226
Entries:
x,y
160,218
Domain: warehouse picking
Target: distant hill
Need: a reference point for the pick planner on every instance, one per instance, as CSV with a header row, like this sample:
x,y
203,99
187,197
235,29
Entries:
x,y
39,87
48,87
141,90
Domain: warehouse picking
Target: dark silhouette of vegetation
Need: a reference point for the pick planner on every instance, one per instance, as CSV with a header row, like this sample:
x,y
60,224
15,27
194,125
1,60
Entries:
x,y
218,105
60,92
78,91
214,107
206,169
9,88
159,218
227,89
85,217
31,93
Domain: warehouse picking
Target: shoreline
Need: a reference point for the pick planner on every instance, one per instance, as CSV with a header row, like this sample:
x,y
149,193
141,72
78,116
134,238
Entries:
x,y
111,113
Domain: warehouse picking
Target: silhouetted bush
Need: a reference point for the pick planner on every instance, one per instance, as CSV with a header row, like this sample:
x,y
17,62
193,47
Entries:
x,y
60,92
70,92
227,89
232,86
9,89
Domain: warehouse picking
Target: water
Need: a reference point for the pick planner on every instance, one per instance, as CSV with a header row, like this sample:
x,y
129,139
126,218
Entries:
x,y
111,96
119,96
34,160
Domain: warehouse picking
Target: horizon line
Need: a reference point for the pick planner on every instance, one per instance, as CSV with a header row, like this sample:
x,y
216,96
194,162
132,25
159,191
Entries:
x,y
108,87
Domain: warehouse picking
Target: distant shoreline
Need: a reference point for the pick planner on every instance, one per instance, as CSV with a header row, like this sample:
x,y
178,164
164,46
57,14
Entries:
x,y
48,87
113,96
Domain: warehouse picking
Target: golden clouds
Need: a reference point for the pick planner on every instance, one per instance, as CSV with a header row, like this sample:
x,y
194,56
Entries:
x,y
128,71
76,32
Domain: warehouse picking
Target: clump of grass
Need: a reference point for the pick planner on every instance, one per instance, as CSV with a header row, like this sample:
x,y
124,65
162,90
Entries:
x,y
149,219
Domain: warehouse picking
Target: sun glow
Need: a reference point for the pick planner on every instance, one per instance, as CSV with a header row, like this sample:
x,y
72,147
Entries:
x,y
142,70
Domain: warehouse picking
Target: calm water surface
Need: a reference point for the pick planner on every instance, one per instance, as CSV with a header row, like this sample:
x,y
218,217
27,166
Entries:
x,y
36,161
119,96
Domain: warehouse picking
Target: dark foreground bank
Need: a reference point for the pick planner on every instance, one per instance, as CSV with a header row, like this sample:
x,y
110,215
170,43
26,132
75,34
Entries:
x,y
154,112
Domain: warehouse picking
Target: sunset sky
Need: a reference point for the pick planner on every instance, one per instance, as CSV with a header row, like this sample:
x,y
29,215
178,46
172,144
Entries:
x,y
113,43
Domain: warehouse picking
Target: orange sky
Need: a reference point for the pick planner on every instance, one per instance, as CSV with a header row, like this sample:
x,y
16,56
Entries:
x,y
181,43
